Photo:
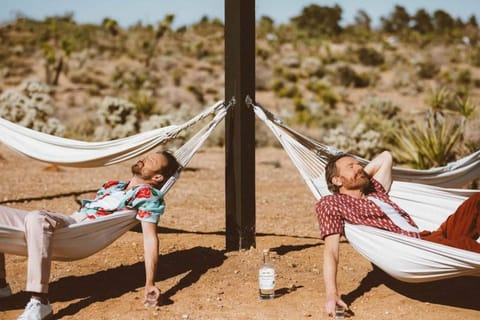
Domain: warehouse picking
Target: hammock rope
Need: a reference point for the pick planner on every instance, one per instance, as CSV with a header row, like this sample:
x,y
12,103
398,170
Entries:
x,y
81,240
405,258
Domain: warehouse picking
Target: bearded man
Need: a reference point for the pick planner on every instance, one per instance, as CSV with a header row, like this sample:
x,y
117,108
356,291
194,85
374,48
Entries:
x,y
360,196
141,194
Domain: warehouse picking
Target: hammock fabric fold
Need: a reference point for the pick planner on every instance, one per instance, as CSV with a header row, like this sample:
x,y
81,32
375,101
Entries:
x,y
83,239
405,258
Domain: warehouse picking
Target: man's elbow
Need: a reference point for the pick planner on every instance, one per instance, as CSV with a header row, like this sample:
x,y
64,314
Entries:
x,y
387,155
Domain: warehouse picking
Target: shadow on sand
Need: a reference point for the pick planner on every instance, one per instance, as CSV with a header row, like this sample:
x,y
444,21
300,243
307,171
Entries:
x,y
461,292
117,281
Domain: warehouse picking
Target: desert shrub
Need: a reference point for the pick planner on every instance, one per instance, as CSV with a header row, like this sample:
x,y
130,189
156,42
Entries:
x,y
315,114
197,91
177,76
289,91
381,116
312,67
475,57
465,106
427,70
472,135
444,99
361,140
117,119
131,79
31,108
290,60
324,92
82,127
386,109
440,99
263,53
289,75
463,77
276,85
430,143
155,121
347,76
263,76
407,83
143,102
370,57
87,77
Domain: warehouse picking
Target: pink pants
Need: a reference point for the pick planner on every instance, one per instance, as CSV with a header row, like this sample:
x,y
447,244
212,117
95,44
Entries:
x,y
39,227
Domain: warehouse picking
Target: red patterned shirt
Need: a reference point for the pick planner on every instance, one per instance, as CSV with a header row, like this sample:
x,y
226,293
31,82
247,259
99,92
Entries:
x,y
336,209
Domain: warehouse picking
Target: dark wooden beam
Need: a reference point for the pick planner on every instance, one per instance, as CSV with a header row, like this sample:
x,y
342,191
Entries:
x,y
240,124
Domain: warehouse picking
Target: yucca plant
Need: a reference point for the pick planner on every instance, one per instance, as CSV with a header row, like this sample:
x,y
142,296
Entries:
x,y
440,99
465,107
431,143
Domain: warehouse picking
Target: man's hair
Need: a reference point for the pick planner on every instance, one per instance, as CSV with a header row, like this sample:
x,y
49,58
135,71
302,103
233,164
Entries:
x,y
331,171
171,167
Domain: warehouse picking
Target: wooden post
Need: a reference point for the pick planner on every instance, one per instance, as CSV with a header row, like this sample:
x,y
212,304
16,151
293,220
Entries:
x,y
240,124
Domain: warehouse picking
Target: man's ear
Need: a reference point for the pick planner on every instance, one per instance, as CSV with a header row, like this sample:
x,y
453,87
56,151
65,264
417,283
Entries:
x,y
158,178
337,181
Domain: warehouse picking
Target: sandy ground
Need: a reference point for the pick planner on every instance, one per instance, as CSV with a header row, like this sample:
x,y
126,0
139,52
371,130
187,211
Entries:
x,y
198,278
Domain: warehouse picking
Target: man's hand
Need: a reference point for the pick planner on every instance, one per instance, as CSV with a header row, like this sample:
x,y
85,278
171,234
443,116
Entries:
x,y
152,296
331,303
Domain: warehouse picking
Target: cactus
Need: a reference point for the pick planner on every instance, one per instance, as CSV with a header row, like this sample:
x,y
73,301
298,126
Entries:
x,y
31,108
117,118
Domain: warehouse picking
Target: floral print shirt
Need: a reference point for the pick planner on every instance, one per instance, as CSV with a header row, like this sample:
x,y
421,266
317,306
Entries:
x,y
145,199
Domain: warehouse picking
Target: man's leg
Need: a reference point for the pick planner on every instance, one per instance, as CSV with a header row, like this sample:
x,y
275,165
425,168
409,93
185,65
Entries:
x,y
462,228
39,228
12,218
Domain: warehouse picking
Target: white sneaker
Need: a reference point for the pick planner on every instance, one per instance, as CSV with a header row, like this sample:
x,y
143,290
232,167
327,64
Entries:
x,y
5,291
35,310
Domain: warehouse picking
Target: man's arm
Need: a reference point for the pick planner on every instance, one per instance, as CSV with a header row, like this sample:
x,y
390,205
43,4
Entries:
x,y
150,247
380,168
330,265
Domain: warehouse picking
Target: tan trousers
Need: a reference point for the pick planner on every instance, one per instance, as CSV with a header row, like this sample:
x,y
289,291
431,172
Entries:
x,y
39,227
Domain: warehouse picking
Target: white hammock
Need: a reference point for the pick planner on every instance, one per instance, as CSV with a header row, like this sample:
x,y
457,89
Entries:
x,y
405,258
68,152
453,175
84,239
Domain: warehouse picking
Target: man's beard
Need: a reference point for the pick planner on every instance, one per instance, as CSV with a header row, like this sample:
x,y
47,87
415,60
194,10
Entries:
x,y
360,181
137,171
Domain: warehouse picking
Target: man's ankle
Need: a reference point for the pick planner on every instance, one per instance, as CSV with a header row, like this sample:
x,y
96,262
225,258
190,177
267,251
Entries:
x,y
3,282
42,297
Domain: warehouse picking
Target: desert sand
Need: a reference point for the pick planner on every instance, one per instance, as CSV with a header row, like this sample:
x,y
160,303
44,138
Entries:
x,y
198,278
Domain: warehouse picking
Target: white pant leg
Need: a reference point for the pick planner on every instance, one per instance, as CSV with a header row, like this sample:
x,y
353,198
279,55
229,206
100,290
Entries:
x,y
14,218
39,227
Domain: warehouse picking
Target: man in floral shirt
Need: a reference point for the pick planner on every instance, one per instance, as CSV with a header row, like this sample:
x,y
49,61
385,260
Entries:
x,y
142,194
360,196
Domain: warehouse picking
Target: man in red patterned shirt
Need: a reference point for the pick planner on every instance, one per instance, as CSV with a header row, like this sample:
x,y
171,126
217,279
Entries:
x,y
360,196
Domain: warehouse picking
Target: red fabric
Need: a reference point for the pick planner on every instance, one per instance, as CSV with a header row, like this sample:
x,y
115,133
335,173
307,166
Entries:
x,y
461,229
